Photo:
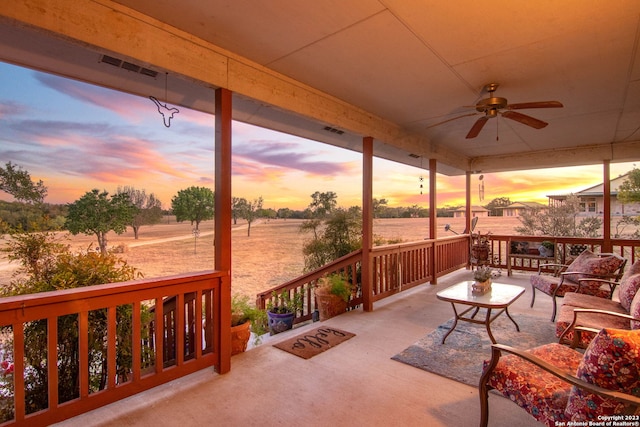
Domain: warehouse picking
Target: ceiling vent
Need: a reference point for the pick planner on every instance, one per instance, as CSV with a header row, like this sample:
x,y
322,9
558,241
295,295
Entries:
x,y
333,130
415,156
128,66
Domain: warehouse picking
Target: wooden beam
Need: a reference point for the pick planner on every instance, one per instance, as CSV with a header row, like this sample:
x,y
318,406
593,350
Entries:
x,y
433,232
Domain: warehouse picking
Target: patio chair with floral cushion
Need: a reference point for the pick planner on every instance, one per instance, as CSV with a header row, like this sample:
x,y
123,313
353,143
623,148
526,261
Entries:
x,y
596,313
556,384
587,265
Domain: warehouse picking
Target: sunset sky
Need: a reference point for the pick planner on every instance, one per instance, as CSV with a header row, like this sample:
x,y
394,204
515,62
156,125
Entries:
x,y
76,137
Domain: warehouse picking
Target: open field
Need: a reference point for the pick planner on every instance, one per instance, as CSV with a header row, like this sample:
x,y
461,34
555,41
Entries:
x,y
271,256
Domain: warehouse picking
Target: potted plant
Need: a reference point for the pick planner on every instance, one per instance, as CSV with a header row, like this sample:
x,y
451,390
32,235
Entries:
x,y
245,319
282,309
546,248
482,280
332,295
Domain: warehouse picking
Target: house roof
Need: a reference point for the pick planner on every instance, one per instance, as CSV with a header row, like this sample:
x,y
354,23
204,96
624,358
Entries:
x,y
597,190
407,74
527,205
473,209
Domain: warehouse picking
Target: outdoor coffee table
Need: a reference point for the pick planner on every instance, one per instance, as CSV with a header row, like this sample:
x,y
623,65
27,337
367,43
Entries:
x,y
498,298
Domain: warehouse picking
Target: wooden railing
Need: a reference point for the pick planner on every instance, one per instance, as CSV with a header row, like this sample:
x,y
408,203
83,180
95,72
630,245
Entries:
x,y
565,250
395,268
108,364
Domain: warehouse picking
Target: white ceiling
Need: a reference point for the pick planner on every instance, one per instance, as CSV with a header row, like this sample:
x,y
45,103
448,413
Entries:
x,y
415,63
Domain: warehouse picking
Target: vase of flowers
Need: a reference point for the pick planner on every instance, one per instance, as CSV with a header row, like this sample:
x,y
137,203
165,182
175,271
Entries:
x,y
482,280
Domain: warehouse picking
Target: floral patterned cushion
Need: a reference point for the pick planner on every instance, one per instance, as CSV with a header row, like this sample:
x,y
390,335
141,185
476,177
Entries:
x,y
548,285
591,320
634,269
540,393
588,264
627,290
611,361
635,311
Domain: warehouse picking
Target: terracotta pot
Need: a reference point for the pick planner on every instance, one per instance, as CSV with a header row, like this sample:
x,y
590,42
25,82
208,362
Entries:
x,y
240,337
329,305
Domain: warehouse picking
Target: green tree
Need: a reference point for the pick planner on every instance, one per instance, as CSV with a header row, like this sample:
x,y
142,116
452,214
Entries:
x,y
148,208
250,211
97,213
337,235
17,182
194,204
322,203
629,190
48,264
379,205
495,205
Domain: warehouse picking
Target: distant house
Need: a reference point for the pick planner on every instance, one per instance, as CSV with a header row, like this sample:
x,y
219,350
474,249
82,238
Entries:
x,y
475,211
516,208
592,200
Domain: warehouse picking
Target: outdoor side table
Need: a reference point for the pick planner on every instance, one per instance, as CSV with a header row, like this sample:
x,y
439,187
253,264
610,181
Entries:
x,y
499,298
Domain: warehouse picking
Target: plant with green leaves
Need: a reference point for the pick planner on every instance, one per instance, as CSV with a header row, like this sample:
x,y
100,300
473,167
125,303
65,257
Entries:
x,y
242,311
286,301
335,284
482,274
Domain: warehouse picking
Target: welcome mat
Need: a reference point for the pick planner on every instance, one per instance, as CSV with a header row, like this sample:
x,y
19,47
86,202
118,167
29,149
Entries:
x,y
460,358
314,342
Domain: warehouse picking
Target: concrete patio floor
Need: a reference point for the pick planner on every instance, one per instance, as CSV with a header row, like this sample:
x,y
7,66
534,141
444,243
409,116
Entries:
x,y
353,384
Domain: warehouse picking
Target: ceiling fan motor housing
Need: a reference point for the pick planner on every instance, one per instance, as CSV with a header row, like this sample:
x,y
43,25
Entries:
x,y
493,103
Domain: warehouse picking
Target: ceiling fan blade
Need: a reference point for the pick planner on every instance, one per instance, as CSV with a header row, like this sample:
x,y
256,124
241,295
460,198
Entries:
x,y
541,104
477,127
524,119
449,120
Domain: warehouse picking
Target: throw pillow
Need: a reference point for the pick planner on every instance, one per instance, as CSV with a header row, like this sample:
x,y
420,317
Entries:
x,y
634,311
588,264
610,361
627,290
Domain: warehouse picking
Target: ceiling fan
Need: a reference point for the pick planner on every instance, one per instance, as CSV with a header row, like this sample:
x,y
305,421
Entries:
x,y
492,106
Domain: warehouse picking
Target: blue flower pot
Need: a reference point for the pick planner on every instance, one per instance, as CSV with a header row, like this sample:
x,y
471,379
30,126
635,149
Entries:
x,y
280,322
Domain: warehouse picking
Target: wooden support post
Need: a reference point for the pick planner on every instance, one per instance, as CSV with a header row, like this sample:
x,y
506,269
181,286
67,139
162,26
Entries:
x,y
606,211
433,233
222,238
367,222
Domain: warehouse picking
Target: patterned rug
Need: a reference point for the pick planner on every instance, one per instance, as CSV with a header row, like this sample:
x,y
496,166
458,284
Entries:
x,y
460,357
314,342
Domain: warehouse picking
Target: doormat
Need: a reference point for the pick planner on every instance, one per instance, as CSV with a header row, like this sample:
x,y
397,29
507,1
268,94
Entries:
x,y
314,342
460,358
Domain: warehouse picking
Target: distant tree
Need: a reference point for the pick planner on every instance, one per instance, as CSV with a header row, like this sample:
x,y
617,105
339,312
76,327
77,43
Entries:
x,y
195,204
559,220
379,206
629,190
284,213
236,203
322,203
148,208
494,206
250,211
268,213
96,213
17,182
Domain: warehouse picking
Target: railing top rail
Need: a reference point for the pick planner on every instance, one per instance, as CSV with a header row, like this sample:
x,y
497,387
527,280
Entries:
x,y
315,274
53,297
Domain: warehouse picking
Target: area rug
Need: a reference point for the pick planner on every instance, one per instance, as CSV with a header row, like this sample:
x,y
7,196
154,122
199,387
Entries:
x,y
460,358
314,342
